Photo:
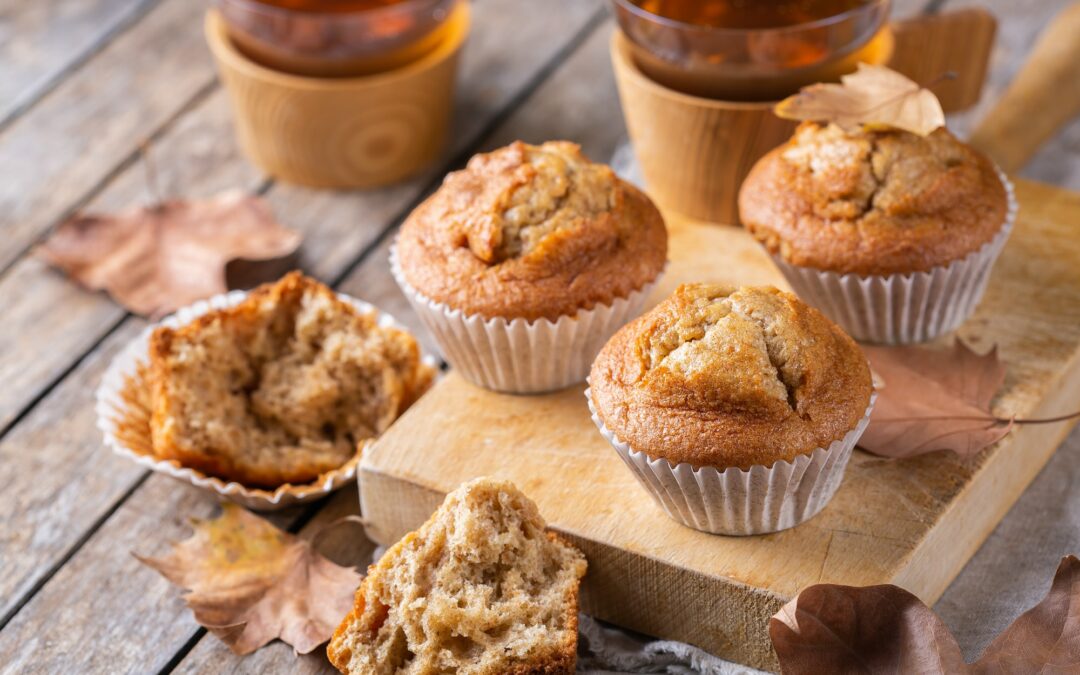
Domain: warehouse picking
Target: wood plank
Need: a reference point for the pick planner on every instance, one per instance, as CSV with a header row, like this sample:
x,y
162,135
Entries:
x,y
1020,23
42,41
89,126
914,523
333,222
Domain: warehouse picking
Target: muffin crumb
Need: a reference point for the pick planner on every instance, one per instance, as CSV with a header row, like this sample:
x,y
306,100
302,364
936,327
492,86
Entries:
x,y
479,589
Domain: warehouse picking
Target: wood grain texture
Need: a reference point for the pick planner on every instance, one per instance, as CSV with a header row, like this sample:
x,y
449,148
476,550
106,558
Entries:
x,y
42,41
958,41
913,522
59,153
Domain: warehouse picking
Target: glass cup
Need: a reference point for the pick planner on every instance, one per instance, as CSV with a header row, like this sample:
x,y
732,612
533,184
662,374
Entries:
x,y
752,64
335,38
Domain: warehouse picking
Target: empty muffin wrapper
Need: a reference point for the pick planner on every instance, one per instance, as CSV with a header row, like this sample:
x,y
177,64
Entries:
x,y
735,501
519,356
903,308
123,416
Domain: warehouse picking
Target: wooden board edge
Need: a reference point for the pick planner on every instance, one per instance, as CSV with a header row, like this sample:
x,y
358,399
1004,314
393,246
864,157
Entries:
x,y
1011,467
622,590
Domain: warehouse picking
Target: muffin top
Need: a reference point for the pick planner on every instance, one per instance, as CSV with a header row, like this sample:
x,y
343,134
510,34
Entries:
x,y
872,202
532,232
716,376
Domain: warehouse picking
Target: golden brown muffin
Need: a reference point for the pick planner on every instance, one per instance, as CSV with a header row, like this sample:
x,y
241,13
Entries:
x,y
532,232
479,589
280,388
872,202
723,377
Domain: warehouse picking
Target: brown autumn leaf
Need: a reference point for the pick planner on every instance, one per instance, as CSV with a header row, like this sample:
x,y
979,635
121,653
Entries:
x,y
250,583
933,399
873,96
828,628
156,259
1046,638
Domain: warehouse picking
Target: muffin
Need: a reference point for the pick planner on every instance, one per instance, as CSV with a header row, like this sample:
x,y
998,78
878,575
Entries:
x,y
480,588
891,234
736,408
281,388
526,261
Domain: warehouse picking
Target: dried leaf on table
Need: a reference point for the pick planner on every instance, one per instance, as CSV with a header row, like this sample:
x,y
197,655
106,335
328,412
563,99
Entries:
x,y
156,259
933,399
250,583
828,628
872,96
1046,638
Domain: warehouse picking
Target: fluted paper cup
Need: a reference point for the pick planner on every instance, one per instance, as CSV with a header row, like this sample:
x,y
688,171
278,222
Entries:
x,y
903,308
735,501
519,356
123,416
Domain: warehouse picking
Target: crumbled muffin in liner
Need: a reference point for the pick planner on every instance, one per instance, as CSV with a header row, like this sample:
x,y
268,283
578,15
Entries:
x,y
518,356
903,308
123,416
734,501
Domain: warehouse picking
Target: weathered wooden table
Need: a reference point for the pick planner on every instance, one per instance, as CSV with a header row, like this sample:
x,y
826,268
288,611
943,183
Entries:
x,y
83,84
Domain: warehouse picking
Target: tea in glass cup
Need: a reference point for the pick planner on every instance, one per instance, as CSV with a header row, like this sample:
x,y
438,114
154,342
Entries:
x,y
751,50
335,38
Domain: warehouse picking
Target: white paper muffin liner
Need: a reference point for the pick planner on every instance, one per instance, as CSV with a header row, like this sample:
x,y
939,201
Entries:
x,y
734,501
903,308
114,407
519,356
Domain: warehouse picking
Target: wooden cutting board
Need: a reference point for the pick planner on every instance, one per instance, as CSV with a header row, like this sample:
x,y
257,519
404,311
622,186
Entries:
x,y
914,523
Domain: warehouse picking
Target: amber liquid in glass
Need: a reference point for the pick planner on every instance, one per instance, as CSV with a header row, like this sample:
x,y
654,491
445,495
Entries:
x,y
742,14
330,6
754,50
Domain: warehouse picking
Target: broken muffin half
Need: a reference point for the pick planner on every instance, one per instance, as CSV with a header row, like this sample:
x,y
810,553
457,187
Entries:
x,y
280,388
479,589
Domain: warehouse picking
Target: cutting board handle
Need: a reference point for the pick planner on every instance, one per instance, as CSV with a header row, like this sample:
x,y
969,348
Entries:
x,y
1042,98
926,47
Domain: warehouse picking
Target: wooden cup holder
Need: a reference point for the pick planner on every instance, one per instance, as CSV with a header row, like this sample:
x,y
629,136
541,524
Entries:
x,y
358,132
694,152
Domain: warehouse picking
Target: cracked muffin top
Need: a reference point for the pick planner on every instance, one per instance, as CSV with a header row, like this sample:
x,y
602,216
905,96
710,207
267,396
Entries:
x,y
532,231
872,202
717,376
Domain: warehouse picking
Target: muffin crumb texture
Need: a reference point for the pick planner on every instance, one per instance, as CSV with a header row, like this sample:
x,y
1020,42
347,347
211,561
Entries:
x,y
730,377
280,388
872,201
532,231
479,589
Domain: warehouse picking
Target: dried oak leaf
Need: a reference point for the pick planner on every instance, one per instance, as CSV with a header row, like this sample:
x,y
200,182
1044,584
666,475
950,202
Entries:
x,y
250,582
933,399
872,96
156,259
828,628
